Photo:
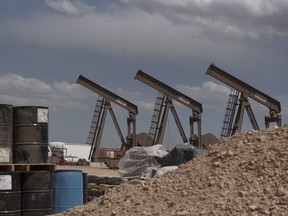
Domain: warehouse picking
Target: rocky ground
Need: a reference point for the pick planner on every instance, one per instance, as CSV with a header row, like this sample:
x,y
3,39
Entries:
x,y
246,174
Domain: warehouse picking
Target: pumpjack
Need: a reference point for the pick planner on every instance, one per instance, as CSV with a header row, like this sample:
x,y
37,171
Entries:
x,y
164,102
240,93
103,105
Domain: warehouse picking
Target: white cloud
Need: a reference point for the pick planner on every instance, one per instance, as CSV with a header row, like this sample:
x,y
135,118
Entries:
x,y
76,7
64,6
211,95
20,91
143,102
262,7
12,81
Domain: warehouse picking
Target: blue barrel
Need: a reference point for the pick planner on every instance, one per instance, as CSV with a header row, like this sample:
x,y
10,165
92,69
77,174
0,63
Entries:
x,y
67,189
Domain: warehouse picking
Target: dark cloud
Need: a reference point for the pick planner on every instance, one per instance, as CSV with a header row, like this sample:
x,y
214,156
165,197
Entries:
x,y
252,19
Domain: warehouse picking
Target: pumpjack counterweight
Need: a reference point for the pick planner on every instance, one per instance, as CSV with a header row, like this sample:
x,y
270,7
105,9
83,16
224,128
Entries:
x,y
165,103
246,91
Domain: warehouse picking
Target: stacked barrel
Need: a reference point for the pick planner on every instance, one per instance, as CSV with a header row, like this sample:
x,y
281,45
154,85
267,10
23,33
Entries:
x,y
24,140
6,133
23,134
10,193
30,134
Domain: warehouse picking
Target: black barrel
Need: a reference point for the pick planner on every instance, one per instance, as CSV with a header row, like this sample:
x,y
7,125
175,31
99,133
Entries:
x,y
30,134
85,187
10,194
37,194
6,133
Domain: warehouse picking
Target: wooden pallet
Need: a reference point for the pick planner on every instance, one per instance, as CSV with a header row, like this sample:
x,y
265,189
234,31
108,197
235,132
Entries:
x,y
27,167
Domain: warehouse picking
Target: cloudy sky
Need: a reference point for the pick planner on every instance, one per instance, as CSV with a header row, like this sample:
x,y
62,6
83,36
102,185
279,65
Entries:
x,y
45,45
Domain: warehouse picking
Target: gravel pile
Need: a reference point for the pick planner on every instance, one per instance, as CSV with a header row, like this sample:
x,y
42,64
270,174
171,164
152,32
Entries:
x,y
246,174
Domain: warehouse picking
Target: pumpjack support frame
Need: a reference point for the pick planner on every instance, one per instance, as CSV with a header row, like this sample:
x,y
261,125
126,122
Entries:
x,y
109,97
247,91
171,94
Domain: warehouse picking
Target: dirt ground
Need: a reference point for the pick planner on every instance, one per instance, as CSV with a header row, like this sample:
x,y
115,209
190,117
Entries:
x,y
246,174
97,171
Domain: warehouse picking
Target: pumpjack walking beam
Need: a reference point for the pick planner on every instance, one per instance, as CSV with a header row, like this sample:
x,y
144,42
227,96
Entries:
x,y
172,94
246,92
109,97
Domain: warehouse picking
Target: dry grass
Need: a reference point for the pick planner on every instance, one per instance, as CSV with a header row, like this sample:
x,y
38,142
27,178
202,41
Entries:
x,y
98,171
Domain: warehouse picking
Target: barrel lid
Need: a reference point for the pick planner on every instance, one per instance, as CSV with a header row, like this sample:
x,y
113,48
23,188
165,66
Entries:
x,y
31,107
68,170
6,105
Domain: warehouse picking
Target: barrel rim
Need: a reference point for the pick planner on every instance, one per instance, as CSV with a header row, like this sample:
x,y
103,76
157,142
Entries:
x,y
30,107
10,211
68,170
6,105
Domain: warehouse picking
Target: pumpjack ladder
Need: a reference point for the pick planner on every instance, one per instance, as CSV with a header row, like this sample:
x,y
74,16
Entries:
x,y
230,113
246,91
94,128
154,126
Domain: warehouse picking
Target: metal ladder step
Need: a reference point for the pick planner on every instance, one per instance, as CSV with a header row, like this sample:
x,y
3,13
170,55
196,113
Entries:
x,y
156,116
230,112
95,120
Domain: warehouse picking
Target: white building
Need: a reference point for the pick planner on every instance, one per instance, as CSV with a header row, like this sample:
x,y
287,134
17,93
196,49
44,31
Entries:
x,y
71,152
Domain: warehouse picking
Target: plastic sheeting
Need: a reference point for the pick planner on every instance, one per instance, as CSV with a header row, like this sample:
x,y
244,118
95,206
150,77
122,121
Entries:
x,y
139,161
163,170
180,154
104,180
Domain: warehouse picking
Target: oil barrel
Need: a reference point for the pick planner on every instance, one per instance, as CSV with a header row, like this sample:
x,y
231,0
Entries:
x,y
85,187
10,194
67,189
6,133
30,134
36,193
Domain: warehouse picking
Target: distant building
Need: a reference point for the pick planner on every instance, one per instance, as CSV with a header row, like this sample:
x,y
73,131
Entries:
x,y
70,152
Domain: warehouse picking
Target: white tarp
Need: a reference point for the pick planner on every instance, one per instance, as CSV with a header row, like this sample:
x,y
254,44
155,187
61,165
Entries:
x,y
139,161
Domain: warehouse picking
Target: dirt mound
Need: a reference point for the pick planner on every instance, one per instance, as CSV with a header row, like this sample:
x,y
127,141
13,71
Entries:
x,y
246,174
